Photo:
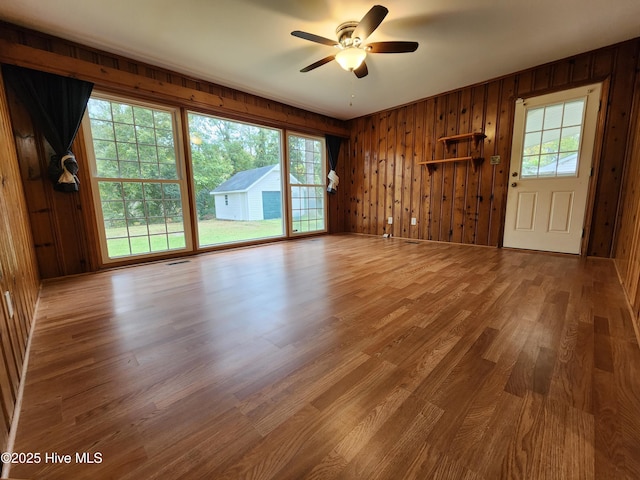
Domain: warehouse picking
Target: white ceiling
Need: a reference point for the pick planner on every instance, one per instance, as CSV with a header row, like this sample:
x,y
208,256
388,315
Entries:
x,y
246,44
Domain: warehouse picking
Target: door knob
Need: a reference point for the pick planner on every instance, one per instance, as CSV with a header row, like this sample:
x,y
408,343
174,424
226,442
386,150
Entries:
x,y
514,184
514,174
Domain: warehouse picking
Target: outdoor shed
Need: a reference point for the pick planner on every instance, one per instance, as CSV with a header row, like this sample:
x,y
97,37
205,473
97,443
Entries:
x,y
251,195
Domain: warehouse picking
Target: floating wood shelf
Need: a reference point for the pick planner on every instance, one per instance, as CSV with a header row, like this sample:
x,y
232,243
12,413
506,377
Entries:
x,y
475,136
431,164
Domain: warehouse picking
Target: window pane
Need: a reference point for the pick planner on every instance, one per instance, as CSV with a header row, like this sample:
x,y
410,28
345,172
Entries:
x,y
568,163
553,116
548,165
550,141
122,113
573,112
570,139
141,202
532,143
307,189
534,119
237,178
100,110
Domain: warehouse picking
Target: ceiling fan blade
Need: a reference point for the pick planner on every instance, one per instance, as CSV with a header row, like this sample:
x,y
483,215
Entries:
x,y
362,70
314,38
317,64
391,47
370,22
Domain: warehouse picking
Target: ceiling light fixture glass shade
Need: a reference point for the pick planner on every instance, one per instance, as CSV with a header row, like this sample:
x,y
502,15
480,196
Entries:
x,y
351,58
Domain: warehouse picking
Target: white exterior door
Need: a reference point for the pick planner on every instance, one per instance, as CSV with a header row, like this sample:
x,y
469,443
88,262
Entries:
x,y
551,161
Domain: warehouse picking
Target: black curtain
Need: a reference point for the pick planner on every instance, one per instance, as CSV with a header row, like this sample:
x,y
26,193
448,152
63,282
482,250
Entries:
x,y
56,105
333,150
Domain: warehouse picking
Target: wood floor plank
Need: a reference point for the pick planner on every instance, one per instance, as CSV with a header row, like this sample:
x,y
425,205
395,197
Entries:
x,y
342,356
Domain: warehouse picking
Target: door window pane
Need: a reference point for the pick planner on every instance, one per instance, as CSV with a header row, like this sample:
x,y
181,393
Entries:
x,y
552,140
237,173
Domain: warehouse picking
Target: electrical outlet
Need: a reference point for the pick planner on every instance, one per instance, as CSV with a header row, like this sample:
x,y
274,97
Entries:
x,y
390,220
413,221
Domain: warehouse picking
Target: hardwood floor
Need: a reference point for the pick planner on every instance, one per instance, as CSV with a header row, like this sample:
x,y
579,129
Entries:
x,y
337,357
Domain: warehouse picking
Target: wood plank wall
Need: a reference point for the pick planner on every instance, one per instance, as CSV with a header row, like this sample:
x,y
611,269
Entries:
x,y
63,226
457,204
627,252
18,273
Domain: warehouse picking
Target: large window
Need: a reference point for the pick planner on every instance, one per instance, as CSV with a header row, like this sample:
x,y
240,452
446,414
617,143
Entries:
x,y
138,178
307,167
237,173
242,188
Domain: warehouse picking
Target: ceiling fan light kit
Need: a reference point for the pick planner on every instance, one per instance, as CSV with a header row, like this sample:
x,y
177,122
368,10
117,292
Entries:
x,y
351,36
351,58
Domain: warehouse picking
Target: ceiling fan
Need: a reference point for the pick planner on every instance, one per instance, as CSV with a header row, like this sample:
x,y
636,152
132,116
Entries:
x,y
351,36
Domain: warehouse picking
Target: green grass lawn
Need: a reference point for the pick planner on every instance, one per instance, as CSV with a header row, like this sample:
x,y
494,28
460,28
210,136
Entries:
x,y
213,232
210,232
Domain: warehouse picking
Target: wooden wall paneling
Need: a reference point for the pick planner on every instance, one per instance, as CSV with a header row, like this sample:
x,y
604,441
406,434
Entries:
x,y
350,214
581,68
542,77
602,63
417,155
502,147
392,179
56,218
7,399
430,141
8,341
449,169
561,74
525,83
437,180
407,166
463,169
614,147
12,329
363,206
490,143
392,119
369,173
487,170
473,182
382,121
399,178
359,178
627,244
30,154
374,213
18,270
343,191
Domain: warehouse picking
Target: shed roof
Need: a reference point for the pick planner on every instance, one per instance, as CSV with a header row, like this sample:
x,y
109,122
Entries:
x,y
243,180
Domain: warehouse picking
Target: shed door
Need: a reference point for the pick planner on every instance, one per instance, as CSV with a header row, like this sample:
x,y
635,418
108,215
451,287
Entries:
x,y
271,205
